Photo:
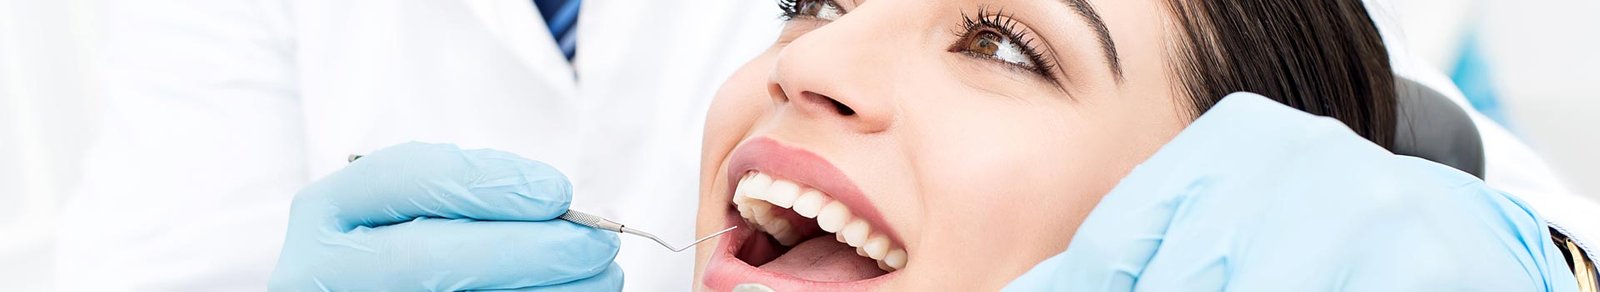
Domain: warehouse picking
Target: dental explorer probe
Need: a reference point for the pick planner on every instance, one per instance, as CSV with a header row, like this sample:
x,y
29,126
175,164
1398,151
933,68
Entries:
x,y
585,219
602,223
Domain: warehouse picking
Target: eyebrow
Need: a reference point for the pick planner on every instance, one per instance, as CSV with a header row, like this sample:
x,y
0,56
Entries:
x,y
1099,26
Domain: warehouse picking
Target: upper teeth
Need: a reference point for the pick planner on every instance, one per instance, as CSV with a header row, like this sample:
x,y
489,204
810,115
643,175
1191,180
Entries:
x,y
758,194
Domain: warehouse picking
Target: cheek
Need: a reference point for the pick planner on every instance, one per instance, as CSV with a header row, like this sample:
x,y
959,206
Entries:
x,y
741,102
1018,176
1000,175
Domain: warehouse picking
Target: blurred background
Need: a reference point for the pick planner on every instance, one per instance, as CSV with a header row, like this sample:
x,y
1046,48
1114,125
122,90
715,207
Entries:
x,y
1529,64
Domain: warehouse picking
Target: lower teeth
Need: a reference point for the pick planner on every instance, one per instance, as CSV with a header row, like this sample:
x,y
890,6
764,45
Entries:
x,y
752,287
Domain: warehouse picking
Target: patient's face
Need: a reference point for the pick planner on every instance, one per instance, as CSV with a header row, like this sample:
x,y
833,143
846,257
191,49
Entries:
x,y
954,143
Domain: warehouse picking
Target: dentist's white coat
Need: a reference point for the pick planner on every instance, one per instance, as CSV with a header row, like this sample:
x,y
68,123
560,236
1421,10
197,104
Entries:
x,y
219,110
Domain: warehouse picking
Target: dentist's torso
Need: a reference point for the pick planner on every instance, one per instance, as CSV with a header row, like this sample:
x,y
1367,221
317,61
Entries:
x,y
625,128
623,121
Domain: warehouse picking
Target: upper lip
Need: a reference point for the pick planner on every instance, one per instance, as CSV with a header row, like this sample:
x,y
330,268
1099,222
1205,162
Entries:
x,y
767,155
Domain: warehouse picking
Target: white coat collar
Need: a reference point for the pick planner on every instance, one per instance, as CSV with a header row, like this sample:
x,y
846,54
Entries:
x,y
518,26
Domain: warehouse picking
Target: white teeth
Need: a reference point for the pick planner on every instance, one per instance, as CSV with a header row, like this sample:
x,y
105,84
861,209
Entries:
x,y
782,193
895,259
761,211
744,210
759,197
742,181
833,216
877,246
741,191
777,226
781,230
855,233
752,287
755,185
809,203
741,196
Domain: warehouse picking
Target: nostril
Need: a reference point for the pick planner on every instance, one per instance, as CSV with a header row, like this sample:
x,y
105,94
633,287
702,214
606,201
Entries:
x,y
841,108
844,110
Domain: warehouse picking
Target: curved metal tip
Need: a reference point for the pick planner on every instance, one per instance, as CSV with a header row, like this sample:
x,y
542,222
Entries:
x,y
703,239
669,246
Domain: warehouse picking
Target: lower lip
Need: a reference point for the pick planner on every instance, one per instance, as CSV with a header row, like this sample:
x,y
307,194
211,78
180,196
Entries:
x,y
725,270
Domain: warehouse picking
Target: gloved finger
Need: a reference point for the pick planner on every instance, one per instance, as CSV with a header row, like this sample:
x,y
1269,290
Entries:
x,y
462,254
1116,243
1112,247
608,280
416,180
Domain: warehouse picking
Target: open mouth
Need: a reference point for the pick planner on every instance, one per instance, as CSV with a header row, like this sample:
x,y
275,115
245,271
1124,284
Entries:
x,y
798,236
810,230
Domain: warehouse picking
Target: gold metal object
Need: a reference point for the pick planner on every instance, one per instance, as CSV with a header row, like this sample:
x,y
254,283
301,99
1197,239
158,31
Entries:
x,y
1582,267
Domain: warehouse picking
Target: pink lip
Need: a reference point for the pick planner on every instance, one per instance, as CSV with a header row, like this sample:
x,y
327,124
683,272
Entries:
x,y
768,156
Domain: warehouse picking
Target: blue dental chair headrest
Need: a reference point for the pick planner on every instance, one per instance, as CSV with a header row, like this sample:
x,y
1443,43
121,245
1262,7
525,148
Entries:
x,y
1430,126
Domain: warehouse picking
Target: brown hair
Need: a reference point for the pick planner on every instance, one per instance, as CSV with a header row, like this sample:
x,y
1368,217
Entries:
x,y
1324,57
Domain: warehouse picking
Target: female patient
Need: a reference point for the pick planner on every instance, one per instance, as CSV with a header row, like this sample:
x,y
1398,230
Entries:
x,y
956,145
952,145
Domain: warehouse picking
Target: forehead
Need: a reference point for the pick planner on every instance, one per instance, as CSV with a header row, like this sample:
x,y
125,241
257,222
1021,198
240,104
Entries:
x,y
1142,31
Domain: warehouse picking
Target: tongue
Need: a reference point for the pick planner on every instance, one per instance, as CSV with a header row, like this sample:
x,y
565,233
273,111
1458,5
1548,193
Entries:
x,y
824,259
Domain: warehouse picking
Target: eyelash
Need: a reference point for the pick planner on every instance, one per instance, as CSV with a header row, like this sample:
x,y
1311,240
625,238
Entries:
x,y
791,8
997,22
1006,26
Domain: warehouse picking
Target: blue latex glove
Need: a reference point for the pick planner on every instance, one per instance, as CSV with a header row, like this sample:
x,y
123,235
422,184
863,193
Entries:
x,y
1257,196
433,217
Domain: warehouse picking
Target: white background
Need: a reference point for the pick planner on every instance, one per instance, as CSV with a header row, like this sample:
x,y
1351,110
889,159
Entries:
x,y
1545,53
47,100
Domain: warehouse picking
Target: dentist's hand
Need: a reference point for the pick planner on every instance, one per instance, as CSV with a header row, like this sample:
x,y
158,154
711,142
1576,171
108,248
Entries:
x,y
1255,196
433,217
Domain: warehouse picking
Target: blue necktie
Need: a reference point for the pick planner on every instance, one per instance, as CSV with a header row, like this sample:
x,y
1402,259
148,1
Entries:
x,y
561,16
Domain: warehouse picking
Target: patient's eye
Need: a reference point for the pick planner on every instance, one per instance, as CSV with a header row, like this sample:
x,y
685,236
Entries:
x,y
995,37
825,10
993,45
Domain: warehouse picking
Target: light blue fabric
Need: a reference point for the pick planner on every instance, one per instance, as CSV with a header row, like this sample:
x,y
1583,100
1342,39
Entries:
x,y
434,217
1257,196
1474,76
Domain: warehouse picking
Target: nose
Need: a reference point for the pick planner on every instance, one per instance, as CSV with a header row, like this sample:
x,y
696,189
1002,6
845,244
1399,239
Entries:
x,y
837,73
